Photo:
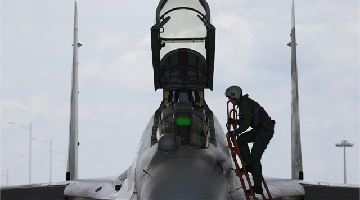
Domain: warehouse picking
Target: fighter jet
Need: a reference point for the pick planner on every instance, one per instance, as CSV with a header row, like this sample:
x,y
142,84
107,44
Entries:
x,y
183,152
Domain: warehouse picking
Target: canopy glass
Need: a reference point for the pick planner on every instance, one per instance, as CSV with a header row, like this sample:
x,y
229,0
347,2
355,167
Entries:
x,y
185,20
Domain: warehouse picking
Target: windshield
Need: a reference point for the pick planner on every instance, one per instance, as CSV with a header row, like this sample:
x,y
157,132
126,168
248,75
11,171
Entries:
x,y
184,22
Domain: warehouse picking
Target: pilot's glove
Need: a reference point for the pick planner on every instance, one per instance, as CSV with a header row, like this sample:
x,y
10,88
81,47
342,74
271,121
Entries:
x,y
231,121
233,134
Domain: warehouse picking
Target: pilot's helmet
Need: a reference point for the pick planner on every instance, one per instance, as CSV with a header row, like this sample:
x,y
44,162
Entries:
x,y
234,92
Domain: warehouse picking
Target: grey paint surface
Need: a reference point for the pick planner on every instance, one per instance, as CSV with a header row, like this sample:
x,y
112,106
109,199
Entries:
x,y
296,155
184,178
72,166
180,172
185,167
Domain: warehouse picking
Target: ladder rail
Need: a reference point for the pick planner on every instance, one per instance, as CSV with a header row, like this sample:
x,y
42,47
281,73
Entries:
x,y
240,174
235,151
266,187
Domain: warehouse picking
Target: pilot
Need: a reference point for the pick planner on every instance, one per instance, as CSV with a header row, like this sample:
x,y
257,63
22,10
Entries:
x,y
251,114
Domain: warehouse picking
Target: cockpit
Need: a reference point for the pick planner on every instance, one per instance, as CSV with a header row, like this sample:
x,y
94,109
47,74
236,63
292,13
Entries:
x,y
185,118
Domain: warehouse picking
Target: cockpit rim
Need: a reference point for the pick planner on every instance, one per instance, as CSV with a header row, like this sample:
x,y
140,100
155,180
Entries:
x,y
180,8
203,3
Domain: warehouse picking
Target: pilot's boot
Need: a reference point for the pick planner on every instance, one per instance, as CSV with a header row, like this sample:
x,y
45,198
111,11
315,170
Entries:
x,y
257,189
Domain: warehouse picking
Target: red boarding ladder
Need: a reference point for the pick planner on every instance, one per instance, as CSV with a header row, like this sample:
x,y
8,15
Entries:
x,y
234,149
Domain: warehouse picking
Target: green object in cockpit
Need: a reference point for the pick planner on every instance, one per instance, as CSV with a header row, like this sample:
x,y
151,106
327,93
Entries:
x,y
183,121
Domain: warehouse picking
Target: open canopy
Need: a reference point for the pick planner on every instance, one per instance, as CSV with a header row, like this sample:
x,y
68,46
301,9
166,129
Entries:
x,y
183,24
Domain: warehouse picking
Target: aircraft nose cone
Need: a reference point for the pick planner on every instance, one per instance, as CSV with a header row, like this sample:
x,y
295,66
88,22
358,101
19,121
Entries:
x,y
184,178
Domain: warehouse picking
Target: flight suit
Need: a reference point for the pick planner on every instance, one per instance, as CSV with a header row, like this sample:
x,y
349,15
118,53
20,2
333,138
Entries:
x,y
260,136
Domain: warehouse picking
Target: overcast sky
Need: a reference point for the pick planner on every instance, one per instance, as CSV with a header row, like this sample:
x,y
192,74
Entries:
x,y
117,96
